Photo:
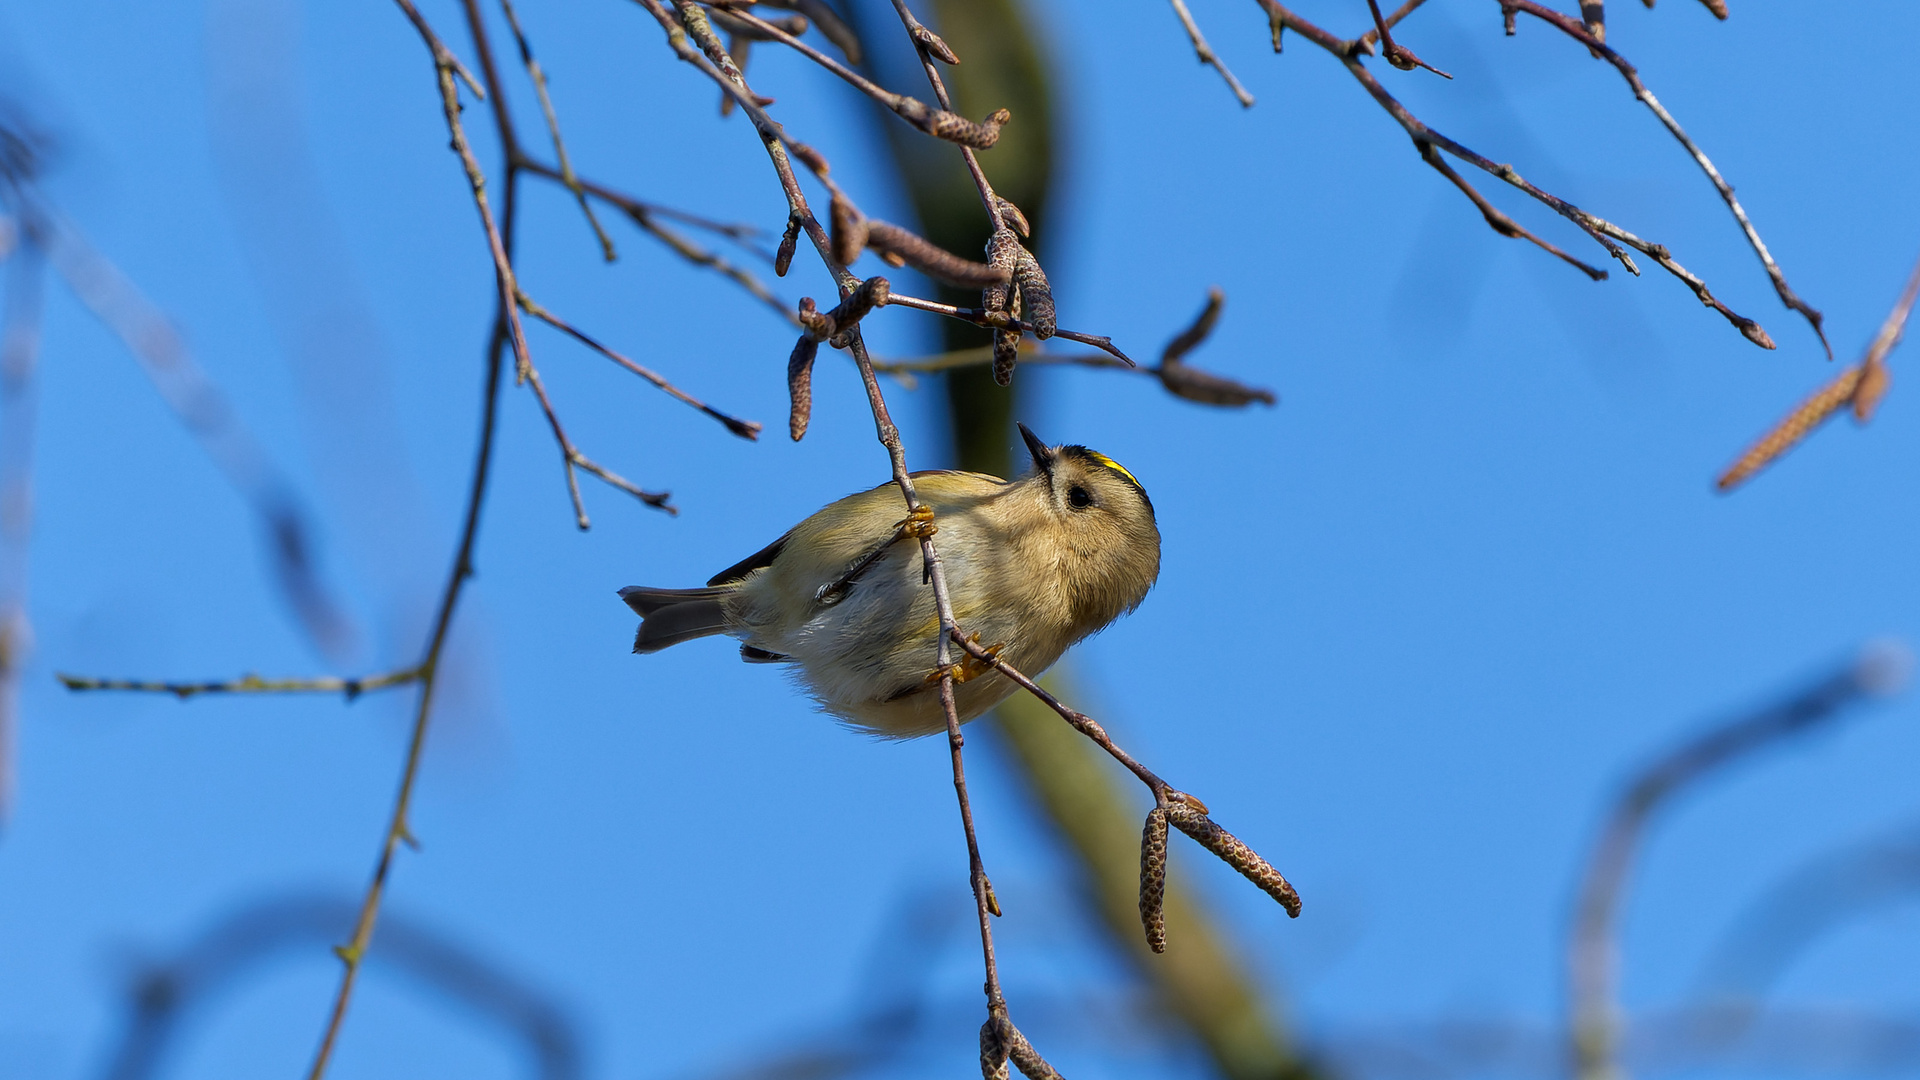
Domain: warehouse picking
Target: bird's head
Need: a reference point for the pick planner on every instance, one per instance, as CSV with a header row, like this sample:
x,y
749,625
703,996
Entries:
x,y
1098,525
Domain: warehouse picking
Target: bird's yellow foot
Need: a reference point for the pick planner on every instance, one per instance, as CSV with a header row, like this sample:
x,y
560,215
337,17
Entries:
x,y
969,666
918,524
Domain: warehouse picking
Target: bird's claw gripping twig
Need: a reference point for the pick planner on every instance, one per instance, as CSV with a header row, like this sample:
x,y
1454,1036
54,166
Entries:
x,y
918,524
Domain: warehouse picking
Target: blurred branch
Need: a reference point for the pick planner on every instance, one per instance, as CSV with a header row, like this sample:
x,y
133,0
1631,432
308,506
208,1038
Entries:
x,y
192,396
1592,979
252,684
165,993
20,327
1861,387
1803,906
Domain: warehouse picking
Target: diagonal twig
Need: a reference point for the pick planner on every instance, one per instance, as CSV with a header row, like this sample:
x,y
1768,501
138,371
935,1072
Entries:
x,y
351,688
1595,40
1605,233
566,177
1208,56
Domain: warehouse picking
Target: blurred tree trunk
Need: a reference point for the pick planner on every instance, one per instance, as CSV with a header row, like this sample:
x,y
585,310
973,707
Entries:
x,y
1198,979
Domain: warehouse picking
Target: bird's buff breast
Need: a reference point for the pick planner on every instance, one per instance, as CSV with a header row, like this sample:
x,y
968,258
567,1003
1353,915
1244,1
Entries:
x,y
870,659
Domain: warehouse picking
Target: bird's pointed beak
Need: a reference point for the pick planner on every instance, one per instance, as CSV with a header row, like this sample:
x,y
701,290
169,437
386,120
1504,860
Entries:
x,y
1042,453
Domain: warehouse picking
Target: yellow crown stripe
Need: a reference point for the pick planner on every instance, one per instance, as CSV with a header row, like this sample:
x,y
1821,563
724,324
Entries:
x,y
1116,467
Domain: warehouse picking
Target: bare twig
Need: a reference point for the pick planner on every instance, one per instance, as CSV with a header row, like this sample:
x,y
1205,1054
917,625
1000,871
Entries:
x,y
1396,54
566,177
999,1039
1602,232
1182,810
1208,56
746,429
1179,378
1593,1010
692,24
398,830
1595,40
1861,386
1368,39
1000,320
252,684
644,214
939,123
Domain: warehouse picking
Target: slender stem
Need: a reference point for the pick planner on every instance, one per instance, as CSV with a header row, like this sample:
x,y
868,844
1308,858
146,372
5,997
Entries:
x,y
928,45
1601,231
1208,56
252,684
539,79
353,953
1582,33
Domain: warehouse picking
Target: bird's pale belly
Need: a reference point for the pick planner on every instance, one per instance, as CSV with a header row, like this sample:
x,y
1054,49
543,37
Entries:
x,y
871,658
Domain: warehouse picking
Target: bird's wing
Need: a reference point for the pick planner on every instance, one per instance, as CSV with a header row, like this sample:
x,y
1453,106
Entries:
x,y
763,557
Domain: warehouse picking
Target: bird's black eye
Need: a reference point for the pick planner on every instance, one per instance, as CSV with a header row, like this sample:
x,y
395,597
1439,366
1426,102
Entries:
x,y
1078,498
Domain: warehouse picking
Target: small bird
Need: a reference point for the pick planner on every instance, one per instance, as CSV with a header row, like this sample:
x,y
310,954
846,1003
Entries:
x,y
1032,566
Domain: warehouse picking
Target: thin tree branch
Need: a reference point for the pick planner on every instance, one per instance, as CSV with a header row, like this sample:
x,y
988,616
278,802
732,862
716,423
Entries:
x,y
505,325
1208,56
1593,1025
1396,54
939,123
1000,320
1368,39
746,429
1596,42
566,176
1184,811
1603,232
251,684
643,215
1179,378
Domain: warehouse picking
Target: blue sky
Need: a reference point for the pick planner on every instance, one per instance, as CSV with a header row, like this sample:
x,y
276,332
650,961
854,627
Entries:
x,y
1413,622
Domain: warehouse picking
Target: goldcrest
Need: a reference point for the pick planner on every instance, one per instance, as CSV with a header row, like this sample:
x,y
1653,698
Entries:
x,y
1032,566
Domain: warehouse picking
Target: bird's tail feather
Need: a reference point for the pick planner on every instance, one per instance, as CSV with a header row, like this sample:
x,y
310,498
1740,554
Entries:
x,y
671,616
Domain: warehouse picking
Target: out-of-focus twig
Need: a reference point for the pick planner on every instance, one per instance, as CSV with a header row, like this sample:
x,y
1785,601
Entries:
x,y
251,684
1861,387
152,340
20,324
1810,902
1593,1021
166,991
